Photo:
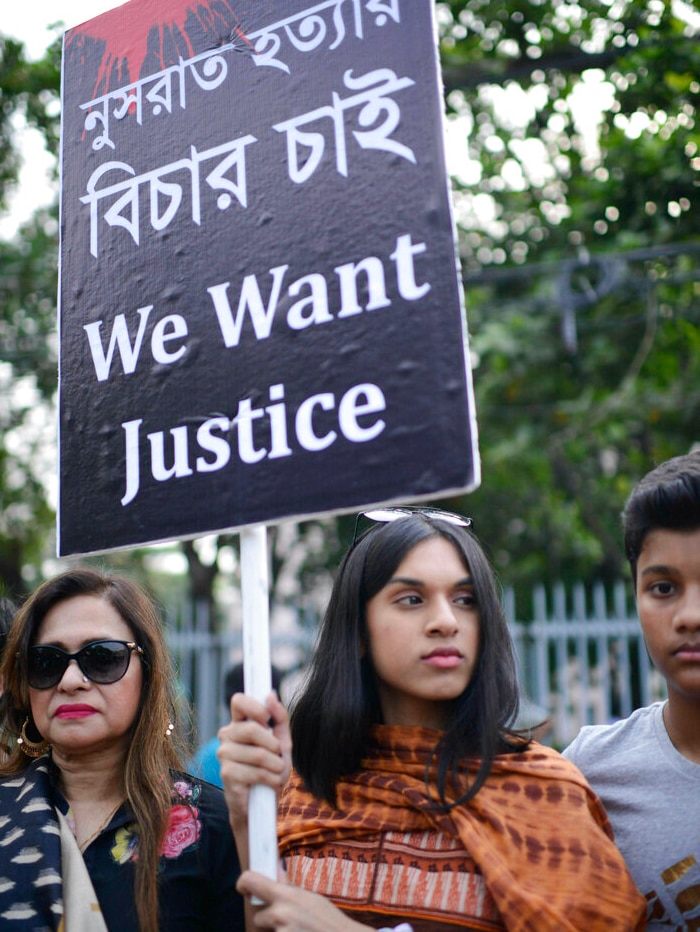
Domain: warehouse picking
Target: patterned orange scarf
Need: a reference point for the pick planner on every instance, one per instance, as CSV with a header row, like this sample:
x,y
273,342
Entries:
x,y
536,831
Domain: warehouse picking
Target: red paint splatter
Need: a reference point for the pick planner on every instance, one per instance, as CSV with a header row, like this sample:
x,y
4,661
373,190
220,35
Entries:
x,y
184,28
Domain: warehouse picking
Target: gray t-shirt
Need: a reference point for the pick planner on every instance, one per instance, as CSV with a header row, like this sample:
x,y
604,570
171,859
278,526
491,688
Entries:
x,y
652,796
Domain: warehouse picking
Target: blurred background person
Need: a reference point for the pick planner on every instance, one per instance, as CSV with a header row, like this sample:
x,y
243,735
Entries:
x,y
205,763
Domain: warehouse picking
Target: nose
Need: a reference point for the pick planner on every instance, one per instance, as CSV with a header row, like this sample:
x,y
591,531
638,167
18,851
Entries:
x,y
687,615
73,677
442,619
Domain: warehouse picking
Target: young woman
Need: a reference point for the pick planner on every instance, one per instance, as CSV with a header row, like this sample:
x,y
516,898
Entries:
x,y
100,828
412,798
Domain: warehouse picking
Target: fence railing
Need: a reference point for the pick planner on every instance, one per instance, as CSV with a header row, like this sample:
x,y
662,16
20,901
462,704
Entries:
x,y
582,659
202,657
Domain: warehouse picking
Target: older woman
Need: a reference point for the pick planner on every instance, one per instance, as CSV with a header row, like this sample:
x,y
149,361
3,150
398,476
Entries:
x,y
99,824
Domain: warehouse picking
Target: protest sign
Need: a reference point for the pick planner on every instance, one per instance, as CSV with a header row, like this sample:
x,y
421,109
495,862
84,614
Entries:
x,y
260,307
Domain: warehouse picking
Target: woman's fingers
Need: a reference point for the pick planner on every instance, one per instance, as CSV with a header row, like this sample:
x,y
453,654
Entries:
x,y
249,754
245,707
291,909
248,741
250,883
254,748
255,730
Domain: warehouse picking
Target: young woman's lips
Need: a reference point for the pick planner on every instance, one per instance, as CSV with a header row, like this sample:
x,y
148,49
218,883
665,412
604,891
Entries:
x,y
74,711
446,658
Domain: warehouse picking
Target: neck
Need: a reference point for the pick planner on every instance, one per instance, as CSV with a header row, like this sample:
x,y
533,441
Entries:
x,y
98,778
682,721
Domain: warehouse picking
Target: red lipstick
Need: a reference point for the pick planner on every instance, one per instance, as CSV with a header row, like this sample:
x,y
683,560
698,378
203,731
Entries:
x,y
75,710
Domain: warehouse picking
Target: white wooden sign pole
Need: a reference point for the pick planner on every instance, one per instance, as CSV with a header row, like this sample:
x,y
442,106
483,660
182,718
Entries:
x,y
257,679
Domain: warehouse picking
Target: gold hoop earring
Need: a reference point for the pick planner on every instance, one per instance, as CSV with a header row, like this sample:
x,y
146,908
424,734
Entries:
x,y
29,747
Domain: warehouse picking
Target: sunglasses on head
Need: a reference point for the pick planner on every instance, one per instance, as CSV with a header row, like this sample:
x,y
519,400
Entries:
x,y
395,512
102,662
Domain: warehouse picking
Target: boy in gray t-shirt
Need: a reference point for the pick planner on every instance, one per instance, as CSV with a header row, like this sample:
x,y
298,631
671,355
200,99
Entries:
x,y
646,769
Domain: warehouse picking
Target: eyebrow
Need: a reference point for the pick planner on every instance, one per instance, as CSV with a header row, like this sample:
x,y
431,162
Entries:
x,y
659,568
408,581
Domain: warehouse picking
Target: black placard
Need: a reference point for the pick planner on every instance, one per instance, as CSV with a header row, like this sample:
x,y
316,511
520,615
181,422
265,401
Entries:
x,y
260,306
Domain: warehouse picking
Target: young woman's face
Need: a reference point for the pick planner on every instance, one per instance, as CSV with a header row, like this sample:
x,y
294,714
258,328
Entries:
x,y
76,715
668,603
424,635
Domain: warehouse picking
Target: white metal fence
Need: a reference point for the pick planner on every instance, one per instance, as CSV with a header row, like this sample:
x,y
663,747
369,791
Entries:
x,y
203,657
582,659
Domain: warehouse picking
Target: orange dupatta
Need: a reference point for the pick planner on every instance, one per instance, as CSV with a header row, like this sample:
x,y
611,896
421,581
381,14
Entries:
x,y
536,830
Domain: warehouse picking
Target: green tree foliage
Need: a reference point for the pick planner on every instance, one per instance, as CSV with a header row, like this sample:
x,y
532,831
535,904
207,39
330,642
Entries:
x,y
579,252
28,93
579,244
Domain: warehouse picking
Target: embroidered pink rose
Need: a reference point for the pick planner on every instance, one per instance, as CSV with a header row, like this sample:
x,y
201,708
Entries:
x,y
182,789
184,829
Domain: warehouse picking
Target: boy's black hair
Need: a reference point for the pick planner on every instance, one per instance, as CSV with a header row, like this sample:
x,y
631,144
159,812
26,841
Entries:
x,y
667,498
332,717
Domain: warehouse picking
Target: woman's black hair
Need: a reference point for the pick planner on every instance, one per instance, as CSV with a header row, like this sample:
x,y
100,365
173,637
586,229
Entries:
x,y
339,704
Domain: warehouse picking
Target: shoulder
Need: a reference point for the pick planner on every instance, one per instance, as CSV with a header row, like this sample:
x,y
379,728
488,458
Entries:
x,y
596,741
200,809
188,788
206,802
36,776
10,784
538,761
207,750
206,764
545,779
200,863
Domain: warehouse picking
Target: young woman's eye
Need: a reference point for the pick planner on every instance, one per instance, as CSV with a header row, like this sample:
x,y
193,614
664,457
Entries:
x,y
410,599
468,599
